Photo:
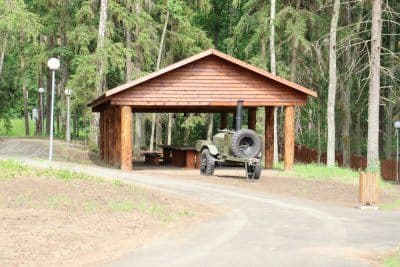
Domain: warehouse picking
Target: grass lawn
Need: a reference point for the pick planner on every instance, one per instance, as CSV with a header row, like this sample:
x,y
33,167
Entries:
x,y
18,128
392,261
54,216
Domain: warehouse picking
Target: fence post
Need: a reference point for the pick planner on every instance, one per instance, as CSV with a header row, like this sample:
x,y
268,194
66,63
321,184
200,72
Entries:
x,y
368,189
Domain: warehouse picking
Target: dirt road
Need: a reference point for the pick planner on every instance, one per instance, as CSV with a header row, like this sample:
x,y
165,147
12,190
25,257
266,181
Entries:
x,y
257,229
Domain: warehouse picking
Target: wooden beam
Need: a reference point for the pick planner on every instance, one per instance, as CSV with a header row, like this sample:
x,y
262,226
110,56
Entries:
x,y
117,134
224,121
126,138
269,138
111,137
252,118
289,138
105,135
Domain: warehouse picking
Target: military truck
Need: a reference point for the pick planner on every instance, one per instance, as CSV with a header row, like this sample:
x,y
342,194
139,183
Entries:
x,y
239,147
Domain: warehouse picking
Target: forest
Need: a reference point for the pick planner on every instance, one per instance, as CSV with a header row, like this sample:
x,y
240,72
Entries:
x,y
347,51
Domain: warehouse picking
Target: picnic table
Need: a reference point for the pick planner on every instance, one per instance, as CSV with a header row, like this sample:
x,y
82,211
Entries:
x,y
180,156
152,158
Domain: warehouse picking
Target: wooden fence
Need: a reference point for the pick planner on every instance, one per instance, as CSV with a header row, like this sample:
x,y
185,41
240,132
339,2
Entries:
x,y
307,155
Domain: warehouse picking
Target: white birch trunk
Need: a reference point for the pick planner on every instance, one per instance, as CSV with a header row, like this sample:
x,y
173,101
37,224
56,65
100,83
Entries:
x,y
273,71
332,86
100,86
3,52
160,49
373,164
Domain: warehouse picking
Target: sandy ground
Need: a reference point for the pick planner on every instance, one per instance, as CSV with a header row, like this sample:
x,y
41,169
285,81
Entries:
x,y
327,191
52,222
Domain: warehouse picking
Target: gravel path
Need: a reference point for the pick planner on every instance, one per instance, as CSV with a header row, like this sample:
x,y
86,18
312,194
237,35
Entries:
x,y
256,229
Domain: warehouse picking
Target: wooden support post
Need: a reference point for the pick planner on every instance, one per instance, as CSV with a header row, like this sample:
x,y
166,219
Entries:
x,y
368,186
224,121
126,138
269,138
105,135
111,137
252,118
117,134
101,140
289,138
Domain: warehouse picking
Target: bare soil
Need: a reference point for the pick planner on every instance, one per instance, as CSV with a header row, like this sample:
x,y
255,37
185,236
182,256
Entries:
x,y
53,222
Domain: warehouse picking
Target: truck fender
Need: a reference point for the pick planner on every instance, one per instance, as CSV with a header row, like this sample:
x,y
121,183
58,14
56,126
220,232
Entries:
x,y
213,149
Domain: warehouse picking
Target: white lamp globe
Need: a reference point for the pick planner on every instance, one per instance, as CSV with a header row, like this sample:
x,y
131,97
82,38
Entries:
x,y
68,92
41,90
397,124
53,63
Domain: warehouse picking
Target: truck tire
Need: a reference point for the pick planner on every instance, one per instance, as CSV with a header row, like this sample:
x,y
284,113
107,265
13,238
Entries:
x,y
245,144
207,163
254,172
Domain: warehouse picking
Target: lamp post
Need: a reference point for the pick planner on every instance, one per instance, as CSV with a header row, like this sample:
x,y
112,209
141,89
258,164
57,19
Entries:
x,y
397,126
41,91
53,64
68,130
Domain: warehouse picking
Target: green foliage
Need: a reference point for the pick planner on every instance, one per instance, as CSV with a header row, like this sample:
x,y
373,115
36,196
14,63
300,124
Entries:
x,y
392,261
15,127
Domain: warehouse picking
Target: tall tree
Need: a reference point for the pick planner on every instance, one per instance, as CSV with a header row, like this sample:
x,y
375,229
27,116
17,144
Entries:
x,y
330,161
373,164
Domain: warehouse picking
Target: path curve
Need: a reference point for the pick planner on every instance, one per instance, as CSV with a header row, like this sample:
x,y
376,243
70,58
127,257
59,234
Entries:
x,y
257,229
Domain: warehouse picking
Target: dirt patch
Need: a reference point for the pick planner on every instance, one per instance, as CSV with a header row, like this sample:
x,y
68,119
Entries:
x,y
327,191
47,221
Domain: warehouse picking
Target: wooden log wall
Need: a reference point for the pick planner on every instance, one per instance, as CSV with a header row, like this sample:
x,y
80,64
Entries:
x,y
289,138
101,137
269,138
111,136
106,135
117,135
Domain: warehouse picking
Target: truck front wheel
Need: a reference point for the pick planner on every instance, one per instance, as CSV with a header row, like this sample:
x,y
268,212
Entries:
x,y
207,163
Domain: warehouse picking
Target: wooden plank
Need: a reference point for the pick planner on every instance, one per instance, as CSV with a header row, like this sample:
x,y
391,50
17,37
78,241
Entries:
x,y
117,134
224,121
289,138
111,137
252,118
209,104
191,159
126,138
106,135
269,138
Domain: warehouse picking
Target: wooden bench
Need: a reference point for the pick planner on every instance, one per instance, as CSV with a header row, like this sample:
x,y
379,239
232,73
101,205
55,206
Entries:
x,y
153,158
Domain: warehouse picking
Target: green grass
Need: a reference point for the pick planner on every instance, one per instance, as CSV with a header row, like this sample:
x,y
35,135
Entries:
x,y
318,171
395,205
9,169
392,261
17,128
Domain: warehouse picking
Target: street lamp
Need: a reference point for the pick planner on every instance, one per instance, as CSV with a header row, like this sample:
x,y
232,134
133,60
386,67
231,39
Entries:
x,y
397,126
68,93
53,64
41,91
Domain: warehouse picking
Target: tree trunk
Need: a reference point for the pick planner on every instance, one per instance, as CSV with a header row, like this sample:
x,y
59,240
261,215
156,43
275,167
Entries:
x,y
273,71
3,52
330,161
169,131
160,49
391,99
101,69
210,124
373,164
345,102
26,114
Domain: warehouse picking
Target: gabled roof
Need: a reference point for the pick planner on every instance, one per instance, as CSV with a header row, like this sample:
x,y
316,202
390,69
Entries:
x,y
106,95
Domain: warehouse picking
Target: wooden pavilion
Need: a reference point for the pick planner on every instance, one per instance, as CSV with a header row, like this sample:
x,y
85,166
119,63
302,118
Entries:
x,y
209,82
